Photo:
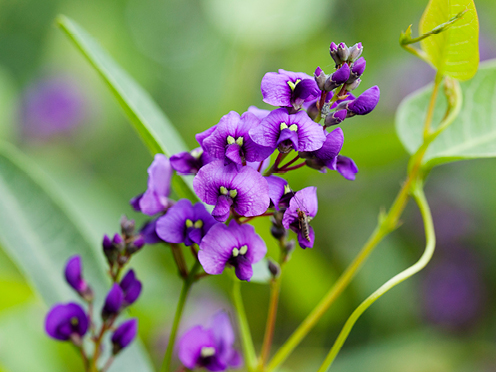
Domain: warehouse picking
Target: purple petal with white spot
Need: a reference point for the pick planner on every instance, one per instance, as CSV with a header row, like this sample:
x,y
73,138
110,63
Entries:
x,y
191,343
310,134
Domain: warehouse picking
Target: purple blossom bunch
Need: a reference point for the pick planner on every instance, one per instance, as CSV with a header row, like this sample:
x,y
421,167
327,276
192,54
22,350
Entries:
x,y
238,173
73,321
232,171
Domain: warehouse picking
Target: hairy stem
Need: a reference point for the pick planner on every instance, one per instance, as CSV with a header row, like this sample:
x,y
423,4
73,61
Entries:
x,y
419,196
244,328
187,283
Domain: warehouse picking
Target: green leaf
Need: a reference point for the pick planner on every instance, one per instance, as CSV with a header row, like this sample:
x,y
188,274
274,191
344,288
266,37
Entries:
x,y
473,133
455,50
39,235
154,128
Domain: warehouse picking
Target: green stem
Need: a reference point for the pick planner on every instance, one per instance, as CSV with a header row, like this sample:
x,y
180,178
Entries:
x,y
187,283
244,328
432,105
387,223
275,290
419,196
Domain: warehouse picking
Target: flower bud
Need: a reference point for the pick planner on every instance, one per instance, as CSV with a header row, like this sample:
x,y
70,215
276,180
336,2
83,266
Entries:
x,y
289,248
313,111
74,276
131,287
127,226
353,85
124,335
113,302
320,78
333,50
338,78
274,268
343,52
118,242
355,52
357,70
365,103
278,232
335,118
110,250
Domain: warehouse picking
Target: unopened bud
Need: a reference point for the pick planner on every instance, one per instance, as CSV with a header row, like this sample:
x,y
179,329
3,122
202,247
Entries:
x,y
274,268
353,86
110,250
320,78
278,232
343,52
127,226
335,118
313,111
355,52
338,78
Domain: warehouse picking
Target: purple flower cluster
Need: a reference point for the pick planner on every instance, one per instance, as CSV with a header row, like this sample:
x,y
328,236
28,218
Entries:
x,y
71,322
231,171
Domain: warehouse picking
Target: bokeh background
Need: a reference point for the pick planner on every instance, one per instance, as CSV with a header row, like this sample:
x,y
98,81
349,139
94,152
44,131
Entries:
x,y
200,59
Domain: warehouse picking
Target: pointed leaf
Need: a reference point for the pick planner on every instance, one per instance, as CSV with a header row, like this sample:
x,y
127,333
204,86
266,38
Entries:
x,y
39,234
454,51
473,133
154,128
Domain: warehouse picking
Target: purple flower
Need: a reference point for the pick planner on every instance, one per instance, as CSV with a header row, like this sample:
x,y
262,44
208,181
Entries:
x,y
230,140
66,321
288,89
155,199
365,103
149,233
346,167
303,204
245,190
236,245
131,288
190,162
185,223
52,106
124,335
200,137
277,189
113,302
210,348
74,276
355,52
287,132
327,155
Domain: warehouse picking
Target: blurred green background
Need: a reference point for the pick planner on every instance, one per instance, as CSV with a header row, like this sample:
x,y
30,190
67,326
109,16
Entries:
x,y
200,59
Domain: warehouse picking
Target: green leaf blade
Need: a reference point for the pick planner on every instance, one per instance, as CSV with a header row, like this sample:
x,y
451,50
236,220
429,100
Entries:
x,y
455,51
39,234
154,128
473,133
